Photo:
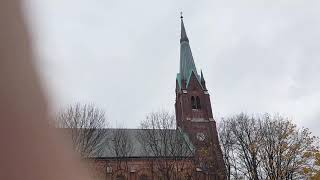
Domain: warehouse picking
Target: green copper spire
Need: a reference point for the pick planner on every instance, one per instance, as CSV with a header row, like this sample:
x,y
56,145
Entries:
x,y
187,65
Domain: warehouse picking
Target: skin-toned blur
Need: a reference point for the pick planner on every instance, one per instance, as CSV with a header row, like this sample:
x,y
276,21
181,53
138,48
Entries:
x,y
29,149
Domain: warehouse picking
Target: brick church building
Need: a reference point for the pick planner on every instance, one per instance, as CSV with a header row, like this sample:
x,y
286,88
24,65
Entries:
x,y
195,152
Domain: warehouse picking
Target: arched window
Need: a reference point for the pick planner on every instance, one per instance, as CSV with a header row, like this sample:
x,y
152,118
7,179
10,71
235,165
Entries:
x,y
198,102
193,103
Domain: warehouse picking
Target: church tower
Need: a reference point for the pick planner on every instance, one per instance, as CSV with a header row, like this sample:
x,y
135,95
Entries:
x,y
194,112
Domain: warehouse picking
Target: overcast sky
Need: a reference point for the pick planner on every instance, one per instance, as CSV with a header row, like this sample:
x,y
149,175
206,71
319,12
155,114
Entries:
x,y
123,56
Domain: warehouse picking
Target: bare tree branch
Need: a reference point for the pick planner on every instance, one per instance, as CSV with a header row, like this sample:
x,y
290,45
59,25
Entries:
x,y
84,123
167,144
121,146
265,147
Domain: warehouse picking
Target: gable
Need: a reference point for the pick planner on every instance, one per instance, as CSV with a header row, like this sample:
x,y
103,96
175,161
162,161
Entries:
x,y
194,81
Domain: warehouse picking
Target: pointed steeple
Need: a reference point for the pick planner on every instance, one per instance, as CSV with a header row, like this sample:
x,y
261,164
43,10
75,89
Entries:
x,y
187,65
184,36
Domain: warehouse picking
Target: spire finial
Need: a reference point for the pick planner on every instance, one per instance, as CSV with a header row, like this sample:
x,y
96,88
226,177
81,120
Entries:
x,y
183,31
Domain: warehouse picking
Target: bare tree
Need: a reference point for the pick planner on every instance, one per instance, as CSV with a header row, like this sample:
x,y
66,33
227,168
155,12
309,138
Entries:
x,y
168,145
84,123
121,147
284,148
265,147
227,142
239,136
313,170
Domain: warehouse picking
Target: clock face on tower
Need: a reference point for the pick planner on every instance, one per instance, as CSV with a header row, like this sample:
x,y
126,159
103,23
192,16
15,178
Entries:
x,y
201,136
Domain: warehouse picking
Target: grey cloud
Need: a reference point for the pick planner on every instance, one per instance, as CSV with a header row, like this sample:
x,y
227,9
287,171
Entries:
x,y
257,56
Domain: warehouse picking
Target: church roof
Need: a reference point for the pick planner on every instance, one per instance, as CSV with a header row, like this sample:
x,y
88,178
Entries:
x,y
137,147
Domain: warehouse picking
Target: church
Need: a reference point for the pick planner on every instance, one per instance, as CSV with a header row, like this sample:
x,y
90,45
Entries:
x,y
193,151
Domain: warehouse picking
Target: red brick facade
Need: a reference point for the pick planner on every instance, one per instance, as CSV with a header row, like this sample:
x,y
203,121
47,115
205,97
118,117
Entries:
x,y
199,124
144,169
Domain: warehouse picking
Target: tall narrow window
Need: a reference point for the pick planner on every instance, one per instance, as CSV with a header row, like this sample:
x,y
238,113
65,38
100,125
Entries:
x,y
193,103
198,102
